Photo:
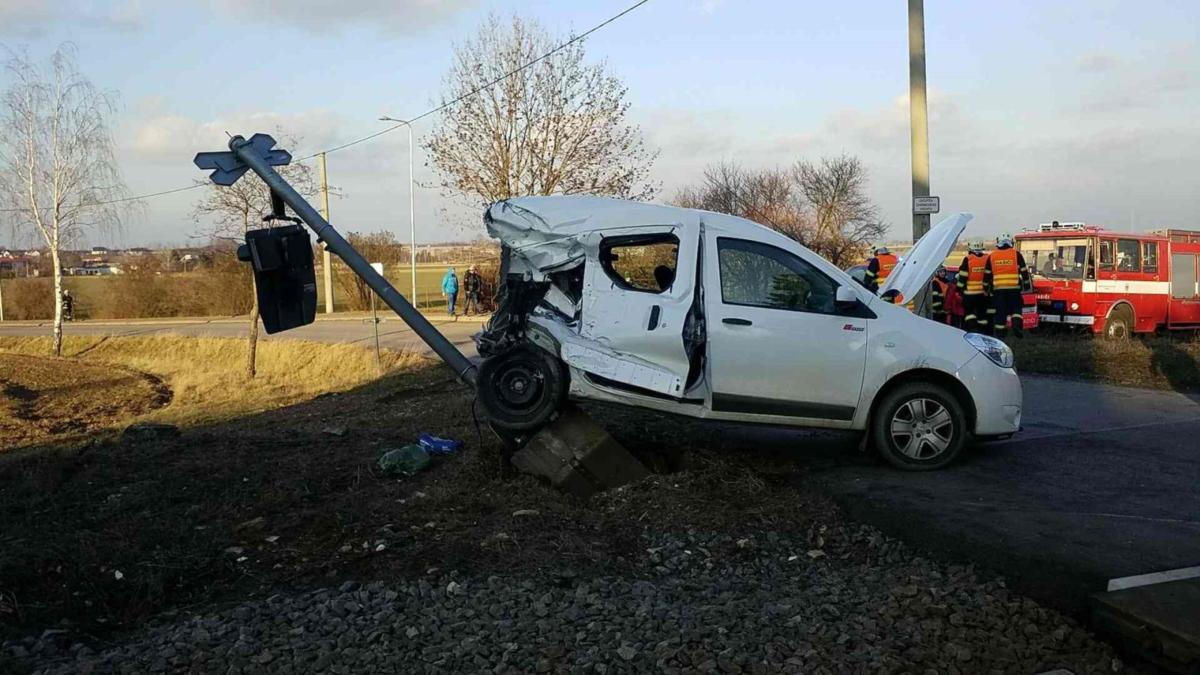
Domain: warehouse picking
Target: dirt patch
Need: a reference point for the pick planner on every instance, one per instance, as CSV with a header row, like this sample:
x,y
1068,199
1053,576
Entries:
x,y
43,399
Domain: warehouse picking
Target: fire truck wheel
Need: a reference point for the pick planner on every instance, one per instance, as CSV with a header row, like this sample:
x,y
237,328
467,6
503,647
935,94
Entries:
x,y
521,389
1119,324
919,426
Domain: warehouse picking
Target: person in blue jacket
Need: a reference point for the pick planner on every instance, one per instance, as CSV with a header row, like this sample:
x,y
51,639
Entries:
x,y
450,290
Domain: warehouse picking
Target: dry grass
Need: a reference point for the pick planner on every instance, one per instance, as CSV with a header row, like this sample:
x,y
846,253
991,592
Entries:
x,y
1167,362
206,375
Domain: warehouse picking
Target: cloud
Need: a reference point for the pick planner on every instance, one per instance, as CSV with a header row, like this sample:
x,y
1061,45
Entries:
x,y
1097,62
706,7
168,138
33,18
389,16
889,124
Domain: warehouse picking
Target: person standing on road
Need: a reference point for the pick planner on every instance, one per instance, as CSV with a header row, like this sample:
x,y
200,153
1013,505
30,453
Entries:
x,y
976,317
472,283
450,290
68,305
1005,276
878,268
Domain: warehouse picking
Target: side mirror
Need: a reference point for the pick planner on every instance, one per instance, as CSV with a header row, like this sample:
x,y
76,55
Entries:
x,y
845,296
284,279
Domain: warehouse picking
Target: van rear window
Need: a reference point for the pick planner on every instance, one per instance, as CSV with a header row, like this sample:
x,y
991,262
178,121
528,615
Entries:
x,y
645,263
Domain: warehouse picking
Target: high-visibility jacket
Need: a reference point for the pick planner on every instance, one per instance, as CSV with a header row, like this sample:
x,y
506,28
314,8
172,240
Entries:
x,y
970,274
878,269
1005,270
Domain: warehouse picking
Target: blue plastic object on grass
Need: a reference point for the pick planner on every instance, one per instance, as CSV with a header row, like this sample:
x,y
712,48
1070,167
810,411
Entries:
x,y
438,446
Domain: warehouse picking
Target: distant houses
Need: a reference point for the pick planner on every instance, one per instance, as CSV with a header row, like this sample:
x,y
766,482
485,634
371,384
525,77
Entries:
x,y
17,264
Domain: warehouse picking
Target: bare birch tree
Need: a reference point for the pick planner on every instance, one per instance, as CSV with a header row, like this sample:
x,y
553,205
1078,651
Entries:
x,y
229,212
58,171
821,205
557,127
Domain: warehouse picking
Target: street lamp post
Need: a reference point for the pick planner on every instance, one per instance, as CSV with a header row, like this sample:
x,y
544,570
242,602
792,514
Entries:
x,y
412,218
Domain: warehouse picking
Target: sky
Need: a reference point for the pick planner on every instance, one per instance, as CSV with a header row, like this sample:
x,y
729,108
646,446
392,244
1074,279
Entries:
x,y
1074,110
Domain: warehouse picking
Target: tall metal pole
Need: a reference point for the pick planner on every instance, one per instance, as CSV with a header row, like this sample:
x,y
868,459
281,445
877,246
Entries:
x,y
412,217
918,111
412,208
326,259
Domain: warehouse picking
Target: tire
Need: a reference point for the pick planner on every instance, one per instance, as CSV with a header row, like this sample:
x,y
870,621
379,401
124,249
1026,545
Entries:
x,y
1119,324
911,407
521,389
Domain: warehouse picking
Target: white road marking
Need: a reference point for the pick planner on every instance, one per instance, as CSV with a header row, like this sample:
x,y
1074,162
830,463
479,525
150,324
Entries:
x,y
1153,578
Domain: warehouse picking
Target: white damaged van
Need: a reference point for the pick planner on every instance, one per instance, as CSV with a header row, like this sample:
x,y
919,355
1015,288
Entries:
x,y
708,315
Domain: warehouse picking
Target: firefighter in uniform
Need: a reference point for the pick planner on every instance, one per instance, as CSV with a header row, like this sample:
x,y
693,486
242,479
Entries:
x,y
975,301
1005,277
878,268
937,297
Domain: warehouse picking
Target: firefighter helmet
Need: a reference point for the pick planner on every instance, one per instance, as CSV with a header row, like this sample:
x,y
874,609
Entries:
x,y
1004,240
881,250
975,246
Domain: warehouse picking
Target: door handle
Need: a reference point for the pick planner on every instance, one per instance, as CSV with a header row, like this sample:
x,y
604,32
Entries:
x,y
654,312
738,322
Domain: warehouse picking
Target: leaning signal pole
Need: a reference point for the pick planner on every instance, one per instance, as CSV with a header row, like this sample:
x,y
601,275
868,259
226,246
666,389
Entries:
x,y
918,115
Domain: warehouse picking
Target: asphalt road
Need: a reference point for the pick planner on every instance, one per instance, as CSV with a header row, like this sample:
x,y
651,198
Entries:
x,y
393,333
1103,482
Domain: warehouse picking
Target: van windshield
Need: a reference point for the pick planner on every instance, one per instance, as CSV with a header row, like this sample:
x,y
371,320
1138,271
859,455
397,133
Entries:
x,y
1058,258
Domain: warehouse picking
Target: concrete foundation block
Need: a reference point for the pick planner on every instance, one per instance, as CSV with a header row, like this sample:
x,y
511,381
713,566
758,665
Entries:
x,y
578,456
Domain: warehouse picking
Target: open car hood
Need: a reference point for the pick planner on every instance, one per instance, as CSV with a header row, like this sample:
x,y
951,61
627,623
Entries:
x,y
917,268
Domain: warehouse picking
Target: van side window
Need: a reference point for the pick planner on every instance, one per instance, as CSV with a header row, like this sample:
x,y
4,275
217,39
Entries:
x,y
1150,257
759,275
643,263
1106,254
1129,255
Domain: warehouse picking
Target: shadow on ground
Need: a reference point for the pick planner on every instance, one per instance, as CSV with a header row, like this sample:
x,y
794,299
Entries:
x,y
102,536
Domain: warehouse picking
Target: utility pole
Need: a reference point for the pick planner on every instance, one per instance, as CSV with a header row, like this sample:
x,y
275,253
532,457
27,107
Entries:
x,y
918,111
326,259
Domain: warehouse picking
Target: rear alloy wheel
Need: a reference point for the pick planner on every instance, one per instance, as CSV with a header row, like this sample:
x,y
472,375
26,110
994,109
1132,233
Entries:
x,y
1119,324
521,389
919,426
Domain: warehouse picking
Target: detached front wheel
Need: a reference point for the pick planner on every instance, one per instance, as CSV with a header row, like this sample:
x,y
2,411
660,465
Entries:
x,y
521,389
919,426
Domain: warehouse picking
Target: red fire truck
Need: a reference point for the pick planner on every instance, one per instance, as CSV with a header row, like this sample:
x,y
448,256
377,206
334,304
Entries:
x,y
1111,282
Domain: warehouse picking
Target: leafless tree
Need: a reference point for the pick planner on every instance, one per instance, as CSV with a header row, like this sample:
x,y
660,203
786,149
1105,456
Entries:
x,y
226,213
845,219
58,172
822,206
557,127
377,247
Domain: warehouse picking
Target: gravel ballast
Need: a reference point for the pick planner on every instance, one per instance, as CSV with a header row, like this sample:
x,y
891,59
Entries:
x,y
842,598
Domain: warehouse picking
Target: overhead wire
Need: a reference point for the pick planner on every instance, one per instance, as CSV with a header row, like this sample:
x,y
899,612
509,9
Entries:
x,y
427,113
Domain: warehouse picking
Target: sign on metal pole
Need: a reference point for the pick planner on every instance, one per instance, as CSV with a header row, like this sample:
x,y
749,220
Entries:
x,y
926,205
378,267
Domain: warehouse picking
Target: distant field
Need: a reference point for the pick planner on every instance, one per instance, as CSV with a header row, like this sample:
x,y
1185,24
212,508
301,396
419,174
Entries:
x,y
429,283
92,293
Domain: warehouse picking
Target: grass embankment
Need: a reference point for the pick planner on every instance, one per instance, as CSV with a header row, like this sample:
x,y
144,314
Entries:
x,y
205,376
1167,362
43,398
